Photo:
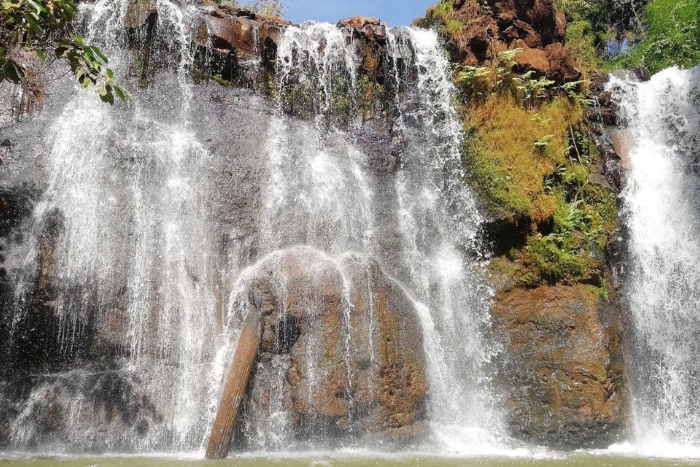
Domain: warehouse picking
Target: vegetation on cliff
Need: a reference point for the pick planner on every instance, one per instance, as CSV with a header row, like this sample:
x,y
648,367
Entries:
x,y
528,152
529,157
655,34
43,27
671,36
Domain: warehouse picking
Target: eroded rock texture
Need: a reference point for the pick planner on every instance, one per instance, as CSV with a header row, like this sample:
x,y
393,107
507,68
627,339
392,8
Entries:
x,y
341,351
563,365
494,26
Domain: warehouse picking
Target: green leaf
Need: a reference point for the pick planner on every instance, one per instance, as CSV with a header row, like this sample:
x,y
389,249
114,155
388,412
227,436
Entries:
x,y
39,8
120,93
40,54
108,98
77,39
33,25
12,71
99,53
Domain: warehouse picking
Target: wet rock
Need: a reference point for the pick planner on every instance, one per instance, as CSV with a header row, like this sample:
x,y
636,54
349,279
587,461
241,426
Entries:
x,y
370,28
111,401
641,73
233,33
563,368
232,42
15,206
140,20
342,345
613,144
358,22
623,142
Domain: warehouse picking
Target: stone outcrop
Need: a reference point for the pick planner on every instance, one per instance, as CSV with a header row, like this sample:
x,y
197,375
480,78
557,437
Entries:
x,y
341,351
562,369
535,26
370,28
612,143
238,32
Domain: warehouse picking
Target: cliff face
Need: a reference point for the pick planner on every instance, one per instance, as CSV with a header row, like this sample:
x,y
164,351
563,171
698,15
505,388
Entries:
x,y
547,176
563,365
542,158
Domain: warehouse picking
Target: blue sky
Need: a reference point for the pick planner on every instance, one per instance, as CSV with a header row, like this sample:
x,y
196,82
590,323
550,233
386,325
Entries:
x,y
393,12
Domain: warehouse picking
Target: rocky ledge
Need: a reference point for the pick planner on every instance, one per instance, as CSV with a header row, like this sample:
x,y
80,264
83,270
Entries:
x,y
535,27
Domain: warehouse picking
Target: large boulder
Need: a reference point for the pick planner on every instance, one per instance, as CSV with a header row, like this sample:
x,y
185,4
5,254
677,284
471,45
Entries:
x,y
341,352
562,66
562,368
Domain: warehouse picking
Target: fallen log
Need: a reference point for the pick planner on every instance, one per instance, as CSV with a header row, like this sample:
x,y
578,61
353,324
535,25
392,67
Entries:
x,y
234,387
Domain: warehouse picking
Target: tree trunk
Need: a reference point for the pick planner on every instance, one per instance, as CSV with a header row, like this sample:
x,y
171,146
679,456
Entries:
x,y
234,388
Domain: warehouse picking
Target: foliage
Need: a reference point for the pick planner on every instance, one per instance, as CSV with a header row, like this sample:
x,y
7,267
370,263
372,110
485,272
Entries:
x,y
599,30
41,26
580,39
671,36
528,157
655,34
443,15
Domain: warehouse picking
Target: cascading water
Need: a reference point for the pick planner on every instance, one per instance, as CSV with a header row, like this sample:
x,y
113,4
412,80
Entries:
x,y
133,257
158,216
662,120
321,193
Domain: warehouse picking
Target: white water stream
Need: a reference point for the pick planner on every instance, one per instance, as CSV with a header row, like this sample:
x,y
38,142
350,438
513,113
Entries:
x,y
662,213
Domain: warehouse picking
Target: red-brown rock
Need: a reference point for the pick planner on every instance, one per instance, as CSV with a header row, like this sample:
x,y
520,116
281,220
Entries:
x,y
533,25
531,60
562,368
562,66
346,339
358,22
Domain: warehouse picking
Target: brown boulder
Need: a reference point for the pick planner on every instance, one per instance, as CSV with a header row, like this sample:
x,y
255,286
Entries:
x,y
562,65
533,25
531,59
560,30
358,22
522,30
341,349
139,14
231,33
371,29
562,368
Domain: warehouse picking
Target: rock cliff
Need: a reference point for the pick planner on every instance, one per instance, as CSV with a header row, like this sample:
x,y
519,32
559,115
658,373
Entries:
x,y
555,310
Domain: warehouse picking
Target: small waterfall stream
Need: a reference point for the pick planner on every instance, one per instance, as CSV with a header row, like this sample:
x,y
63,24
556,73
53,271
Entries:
x,y
157,214
662,206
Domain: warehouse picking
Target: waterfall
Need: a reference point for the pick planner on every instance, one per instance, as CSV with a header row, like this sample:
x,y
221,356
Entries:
x,y
662,207
323,192
133,259
156,215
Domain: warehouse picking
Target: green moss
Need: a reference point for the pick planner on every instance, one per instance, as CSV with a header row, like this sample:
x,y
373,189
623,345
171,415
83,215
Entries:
x,y
529,158
513,153
442,17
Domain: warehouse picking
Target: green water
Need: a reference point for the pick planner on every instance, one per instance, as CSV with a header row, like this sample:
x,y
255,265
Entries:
x,y
321,461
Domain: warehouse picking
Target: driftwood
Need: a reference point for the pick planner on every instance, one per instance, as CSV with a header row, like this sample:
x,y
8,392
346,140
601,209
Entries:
x,y
235,387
